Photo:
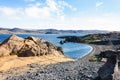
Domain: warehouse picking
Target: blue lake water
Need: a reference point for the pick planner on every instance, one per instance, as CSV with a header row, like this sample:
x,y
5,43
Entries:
x,y
73,50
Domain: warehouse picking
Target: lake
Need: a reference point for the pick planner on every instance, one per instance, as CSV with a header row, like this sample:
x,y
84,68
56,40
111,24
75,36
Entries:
x,y
73,50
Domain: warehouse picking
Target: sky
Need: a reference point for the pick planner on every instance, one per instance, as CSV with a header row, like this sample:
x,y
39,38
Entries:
x,y
61,14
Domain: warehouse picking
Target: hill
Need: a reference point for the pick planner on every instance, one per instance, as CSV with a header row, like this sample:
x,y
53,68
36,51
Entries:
x,y
48,31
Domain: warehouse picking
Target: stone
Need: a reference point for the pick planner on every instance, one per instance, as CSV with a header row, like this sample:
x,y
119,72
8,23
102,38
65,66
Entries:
x,y
30,46
11,45
110,71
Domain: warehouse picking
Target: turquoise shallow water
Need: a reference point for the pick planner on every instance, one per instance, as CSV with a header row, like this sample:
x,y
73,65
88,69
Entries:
x,y
73,50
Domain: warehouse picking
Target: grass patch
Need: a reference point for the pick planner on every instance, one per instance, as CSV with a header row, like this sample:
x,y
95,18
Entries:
x,y
95,59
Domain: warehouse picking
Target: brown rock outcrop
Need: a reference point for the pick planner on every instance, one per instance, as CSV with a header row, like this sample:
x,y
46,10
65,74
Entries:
x,y
110,71
30,46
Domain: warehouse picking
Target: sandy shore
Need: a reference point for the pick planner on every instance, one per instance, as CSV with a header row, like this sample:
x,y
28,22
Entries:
x,y
95,50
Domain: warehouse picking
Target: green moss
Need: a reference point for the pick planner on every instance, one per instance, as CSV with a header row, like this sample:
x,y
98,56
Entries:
x,y
95,58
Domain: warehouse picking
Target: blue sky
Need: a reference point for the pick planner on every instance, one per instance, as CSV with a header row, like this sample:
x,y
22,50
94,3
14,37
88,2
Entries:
x,y
60,14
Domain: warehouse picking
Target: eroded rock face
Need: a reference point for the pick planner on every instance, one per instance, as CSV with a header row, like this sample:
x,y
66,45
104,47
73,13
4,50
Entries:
x,y
110,71
30,46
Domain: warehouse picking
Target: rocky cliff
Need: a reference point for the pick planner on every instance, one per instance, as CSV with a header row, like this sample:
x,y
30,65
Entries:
x,y
30,46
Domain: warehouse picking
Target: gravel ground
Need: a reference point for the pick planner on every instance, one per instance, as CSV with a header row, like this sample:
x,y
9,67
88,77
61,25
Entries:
x,y
80,69
62,71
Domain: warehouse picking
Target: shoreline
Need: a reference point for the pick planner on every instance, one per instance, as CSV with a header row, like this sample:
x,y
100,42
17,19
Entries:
x,y
87,70
81,69
65,60
80,53
79,57
89,52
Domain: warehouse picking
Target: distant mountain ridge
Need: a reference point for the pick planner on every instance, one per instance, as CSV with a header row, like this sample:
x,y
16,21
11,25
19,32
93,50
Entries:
x,y
47,31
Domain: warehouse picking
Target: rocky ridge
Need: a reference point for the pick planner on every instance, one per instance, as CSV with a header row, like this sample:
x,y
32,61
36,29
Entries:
x,y
30,46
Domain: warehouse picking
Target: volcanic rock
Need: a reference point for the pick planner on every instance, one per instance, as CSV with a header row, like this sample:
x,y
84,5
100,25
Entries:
x,y
110,71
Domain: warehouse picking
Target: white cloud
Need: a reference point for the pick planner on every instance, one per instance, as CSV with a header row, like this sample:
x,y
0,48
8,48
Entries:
x,y
108,14
52,4
38,4
51,14
49,9
98,4
7,11
63,3
36,12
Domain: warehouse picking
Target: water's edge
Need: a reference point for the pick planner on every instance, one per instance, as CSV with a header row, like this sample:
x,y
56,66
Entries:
x,y
71,50
91,49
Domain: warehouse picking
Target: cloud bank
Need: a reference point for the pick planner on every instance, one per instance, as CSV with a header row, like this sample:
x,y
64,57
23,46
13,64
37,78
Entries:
x,y
60,14
48,9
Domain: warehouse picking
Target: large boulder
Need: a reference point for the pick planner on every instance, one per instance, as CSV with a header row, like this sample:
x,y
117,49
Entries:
x,y
110,71
30,46
11,45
